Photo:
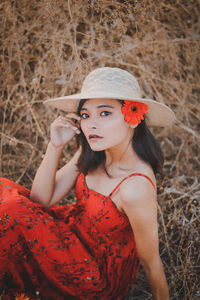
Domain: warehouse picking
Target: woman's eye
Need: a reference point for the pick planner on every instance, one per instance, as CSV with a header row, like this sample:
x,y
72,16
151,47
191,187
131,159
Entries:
x,y
84,116
105,113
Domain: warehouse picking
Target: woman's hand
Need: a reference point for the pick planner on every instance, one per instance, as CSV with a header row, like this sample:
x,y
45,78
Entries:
x,y
63,129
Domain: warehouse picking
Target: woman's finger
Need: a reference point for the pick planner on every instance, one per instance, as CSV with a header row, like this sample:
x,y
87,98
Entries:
x,y
74,117
64,121
68,124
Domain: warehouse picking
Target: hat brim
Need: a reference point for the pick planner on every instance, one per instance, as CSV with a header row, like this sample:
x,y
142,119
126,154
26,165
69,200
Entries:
x,y
158,113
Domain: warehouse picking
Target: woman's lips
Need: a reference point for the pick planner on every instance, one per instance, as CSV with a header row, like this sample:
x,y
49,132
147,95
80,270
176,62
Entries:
x,y
94,137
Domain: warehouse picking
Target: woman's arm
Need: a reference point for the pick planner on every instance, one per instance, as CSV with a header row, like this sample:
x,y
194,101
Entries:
x,y
141,209
49,185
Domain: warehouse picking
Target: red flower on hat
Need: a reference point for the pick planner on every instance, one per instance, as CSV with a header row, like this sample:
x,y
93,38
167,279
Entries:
x,y
134,111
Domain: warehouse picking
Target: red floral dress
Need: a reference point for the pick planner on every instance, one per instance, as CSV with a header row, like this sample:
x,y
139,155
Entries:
x,y
79,251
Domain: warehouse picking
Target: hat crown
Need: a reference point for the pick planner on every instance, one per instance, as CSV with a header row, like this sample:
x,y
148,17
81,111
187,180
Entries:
x,y
111,80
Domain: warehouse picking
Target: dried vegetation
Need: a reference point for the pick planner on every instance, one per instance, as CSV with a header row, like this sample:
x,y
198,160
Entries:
x,y
46,49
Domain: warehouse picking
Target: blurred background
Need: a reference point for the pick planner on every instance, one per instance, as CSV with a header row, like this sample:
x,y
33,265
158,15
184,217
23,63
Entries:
x,y
47,47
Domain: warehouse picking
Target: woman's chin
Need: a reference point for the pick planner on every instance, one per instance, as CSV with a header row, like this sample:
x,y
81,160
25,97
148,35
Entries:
x,y
97,148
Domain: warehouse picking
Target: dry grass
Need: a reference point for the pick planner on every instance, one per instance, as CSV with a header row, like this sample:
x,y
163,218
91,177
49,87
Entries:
x,y
46,49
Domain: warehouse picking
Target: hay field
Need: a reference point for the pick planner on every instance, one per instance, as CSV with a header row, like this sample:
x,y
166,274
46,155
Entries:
x,y
46,49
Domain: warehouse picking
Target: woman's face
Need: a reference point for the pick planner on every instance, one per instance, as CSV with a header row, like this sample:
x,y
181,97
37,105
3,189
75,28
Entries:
x,y
103,125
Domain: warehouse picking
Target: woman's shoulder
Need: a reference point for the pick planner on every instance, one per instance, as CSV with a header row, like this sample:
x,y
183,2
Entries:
x,y
143,173
140,184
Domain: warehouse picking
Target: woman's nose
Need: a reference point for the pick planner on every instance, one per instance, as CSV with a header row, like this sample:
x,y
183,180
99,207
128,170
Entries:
x,y
92,124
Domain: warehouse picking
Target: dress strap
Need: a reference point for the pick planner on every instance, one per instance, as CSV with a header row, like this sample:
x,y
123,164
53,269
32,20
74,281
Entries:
x,y
131,175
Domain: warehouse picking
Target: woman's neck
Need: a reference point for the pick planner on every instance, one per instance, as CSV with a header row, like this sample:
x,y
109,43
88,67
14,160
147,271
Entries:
x,y
121,157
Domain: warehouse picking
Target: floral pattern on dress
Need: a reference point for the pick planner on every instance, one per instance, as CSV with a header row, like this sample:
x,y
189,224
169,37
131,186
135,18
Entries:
x,y
83,251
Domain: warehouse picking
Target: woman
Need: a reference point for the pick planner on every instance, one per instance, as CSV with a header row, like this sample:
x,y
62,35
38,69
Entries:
x,y
90,249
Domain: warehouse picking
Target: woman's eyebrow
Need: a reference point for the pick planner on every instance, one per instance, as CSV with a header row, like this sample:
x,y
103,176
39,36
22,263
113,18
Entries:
x,y
109,106
99,106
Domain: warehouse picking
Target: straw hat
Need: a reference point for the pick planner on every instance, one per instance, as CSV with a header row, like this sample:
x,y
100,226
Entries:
x,y
114,83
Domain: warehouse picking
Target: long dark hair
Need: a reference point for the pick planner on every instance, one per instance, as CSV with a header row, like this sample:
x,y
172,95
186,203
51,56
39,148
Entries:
x,y
143,142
